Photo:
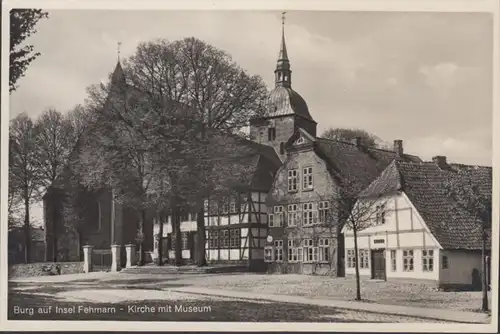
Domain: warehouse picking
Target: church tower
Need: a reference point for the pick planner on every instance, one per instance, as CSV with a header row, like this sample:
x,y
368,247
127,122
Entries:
x,y
286,110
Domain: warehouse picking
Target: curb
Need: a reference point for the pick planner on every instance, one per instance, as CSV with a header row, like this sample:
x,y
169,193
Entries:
x,y
345,307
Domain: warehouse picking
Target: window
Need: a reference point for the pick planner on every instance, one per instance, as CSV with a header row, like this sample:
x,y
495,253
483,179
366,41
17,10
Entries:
x,y
268,254
351,258
224,239
293,215
184,216
308,245
393,260
323,209
270,220
300,141
271,134
184,240
243,203
294,252
408,260
235,238
310,215
225,206
172,241
310,252
293,180
213,239
380,214
307,178
276,219
214,221
278,244
282,148
363,259
427,260
324,250
232,205
444,262
213,210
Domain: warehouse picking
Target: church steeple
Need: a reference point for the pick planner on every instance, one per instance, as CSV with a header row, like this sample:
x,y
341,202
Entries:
x,y
118,76
283,74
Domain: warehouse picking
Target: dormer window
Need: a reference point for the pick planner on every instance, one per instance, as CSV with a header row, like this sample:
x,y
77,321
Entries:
x,y
271,134
300,141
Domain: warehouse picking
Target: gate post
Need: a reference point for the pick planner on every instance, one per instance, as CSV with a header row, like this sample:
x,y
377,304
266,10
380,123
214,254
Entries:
x,y
87,258
131,256
115,255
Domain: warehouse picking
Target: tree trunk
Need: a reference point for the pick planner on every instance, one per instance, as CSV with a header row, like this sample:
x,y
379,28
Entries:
x,y
160,240
356,266
54,231
484,274
141,239
200,228
177,228
27,236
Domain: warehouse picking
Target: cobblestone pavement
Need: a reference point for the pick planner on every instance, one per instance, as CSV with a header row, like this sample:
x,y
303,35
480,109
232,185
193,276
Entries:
x,y
103,303
416,295
393,293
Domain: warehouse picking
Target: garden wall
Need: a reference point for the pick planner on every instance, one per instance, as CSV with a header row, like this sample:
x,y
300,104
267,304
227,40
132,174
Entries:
x,y
36,269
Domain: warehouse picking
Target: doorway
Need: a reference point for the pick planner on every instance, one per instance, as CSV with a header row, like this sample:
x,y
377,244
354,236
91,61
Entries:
x,y
378,264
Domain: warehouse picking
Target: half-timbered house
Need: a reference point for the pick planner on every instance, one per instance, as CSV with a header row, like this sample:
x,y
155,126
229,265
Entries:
x,y
425,233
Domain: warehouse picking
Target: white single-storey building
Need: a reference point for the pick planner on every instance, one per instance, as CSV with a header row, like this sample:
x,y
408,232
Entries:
x,y
420,233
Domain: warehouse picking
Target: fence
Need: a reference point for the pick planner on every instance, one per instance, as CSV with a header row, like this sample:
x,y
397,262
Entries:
x,y
101,259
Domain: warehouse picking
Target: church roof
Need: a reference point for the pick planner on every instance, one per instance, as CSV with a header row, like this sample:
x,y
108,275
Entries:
x,y
285,101
424,184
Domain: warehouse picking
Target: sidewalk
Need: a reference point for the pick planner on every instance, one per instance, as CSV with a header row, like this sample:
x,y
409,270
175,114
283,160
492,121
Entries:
x,y
428,313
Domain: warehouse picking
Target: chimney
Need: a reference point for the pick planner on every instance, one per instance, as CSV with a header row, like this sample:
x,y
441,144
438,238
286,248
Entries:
x,y
357,141
440,160
398,147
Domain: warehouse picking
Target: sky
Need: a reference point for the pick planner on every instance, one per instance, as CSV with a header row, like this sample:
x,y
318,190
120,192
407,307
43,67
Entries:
x,y
424,78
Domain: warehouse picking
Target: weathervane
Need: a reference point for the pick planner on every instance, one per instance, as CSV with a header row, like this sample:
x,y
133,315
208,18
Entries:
x,y
283,18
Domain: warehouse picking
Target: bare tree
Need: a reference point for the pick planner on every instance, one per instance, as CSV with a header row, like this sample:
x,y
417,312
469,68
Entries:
x,y
23,169
357,213
466,191
54,143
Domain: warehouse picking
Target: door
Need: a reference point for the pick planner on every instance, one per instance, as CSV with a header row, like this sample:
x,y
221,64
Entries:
x,y
378,264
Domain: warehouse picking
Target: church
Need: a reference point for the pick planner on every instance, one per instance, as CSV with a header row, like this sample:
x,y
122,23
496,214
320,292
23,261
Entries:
x,y
285,220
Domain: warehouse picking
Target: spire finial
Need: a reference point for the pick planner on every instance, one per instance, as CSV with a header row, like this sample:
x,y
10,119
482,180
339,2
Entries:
x,y
119,44
283,72
283,54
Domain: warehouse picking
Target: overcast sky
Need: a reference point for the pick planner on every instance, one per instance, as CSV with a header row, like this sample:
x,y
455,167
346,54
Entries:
x,y
425,78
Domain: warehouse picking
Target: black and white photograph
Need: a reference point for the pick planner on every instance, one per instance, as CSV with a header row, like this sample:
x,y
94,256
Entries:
x,y
286,165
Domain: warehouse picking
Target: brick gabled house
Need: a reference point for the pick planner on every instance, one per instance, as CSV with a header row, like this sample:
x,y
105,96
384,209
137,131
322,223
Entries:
x,y
304,229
